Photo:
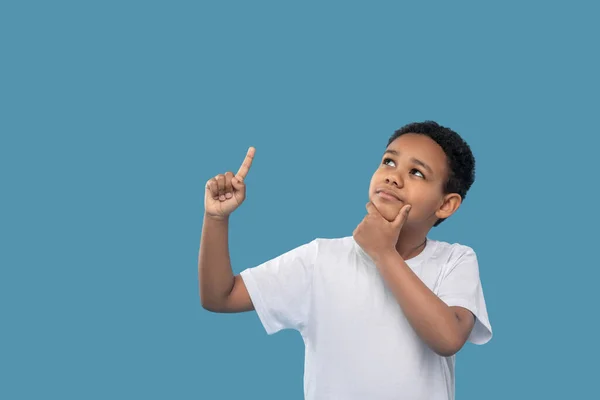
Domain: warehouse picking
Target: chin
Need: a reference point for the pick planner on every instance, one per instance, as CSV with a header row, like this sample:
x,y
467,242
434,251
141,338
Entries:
x,y
387,210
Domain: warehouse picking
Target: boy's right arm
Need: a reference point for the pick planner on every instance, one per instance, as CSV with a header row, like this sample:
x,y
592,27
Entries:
x,y
220,290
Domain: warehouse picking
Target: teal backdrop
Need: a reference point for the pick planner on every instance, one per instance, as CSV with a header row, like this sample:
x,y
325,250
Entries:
x,y
114,114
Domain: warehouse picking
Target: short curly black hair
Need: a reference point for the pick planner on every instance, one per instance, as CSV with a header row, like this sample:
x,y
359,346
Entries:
x,y
461,162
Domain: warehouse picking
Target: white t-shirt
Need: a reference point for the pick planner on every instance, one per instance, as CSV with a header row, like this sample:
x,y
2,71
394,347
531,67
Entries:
x,y
358,343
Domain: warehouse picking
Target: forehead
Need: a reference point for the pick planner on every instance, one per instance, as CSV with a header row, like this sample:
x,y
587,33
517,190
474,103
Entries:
x,y
423,148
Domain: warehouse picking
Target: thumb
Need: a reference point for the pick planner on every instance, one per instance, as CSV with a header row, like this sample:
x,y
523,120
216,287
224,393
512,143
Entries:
x,y
402,215
237,183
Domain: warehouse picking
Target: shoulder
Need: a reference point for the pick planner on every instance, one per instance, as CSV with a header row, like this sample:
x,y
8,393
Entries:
x,y
312,249
453,253
318,246
335,245
336,249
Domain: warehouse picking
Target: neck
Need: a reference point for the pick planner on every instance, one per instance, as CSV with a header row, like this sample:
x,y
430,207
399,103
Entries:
x,y
411,244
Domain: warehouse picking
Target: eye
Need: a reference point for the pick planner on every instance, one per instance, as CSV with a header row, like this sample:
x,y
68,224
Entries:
x,y
386,160
418,172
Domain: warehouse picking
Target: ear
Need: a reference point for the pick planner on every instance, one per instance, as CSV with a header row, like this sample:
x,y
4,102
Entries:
x,y
449,205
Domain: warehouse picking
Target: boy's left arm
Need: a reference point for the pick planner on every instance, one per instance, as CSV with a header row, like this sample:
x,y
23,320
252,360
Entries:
x,y
443,328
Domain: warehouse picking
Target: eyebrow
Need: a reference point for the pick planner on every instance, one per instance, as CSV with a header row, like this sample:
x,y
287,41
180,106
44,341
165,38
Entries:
x,y
413,160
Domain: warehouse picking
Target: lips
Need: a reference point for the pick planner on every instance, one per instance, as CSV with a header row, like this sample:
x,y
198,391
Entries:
x,y
387,194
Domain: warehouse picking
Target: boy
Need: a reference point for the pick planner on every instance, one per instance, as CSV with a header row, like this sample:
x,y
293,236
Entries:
x,y
382,312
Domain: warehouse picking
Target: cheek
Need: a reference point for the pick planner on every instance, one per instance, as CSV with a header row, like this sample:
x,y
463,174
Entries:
x,y
424,204
374,178
372,184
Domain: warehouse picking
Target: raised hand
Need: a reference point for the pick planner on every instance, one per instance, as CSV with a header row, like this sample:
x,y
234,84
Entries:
x,y
376,235
226,192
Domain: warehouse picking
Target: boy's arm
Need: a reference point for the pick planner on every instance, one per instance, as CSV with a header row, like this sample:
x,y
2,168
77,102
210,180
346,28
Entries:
x,y
444,323
220,291
444,329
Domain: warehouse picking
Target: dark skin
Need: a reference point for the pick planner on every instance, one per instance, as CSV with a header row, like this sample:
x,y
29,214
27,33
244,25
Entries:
x,y
389,233
414,169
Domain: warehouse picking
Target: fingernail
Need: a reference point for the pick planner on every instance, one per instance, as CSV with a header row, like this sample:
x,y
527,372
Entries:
x,y
228,195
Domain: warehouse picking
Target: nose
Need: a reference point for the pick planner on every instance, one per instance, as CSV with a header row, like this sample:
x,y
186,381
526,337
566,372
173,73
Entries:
x,y
395,180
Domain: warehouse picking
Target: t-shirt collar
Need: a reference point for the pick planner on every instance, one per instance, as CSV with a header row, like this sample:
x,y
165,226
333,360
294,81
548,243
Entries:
x,y
423,255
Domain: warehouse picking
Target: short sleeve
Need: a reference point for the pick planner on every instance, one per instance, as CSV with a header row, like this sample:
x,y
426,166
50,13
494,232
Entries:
x,y
280,288
462,287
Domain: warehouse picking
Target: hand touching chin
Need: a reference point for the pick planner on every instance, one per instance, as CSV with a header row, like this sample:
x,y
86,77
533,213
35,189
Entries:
x,y
388,210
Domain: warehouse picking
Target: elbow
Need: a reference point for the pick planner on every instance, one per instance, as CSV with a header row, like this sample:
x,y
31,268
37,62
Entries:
x,y
210,307
448,347
208,304
446,352
205,304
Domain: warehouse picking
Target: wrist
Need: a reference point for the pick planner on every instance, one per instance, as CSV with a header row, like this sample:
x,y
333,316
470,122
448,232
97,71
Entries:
x,y
216,218
387,257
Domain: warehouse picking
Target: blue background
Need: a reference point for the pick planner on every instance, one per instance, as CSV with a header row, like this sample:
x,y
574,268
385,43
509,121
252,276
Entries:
x,y
113,115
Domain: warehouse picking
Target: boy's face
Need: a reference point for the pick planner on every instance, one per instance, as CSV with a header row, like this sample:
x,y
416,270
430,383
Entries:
x,y
414,169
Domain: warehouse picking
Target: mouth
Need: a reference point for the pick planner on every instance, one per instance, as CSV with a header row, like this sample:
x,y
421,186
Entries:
x,y
387,195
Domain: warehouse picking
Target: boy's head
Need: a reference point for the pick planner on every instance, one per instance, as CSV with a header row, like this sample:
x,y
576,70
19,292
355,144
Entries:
x,y
427,166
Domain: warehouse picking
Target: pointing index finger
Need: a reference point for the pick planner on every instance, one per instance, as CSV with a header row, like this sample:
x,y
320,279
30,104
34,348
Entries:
x,y
243,171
